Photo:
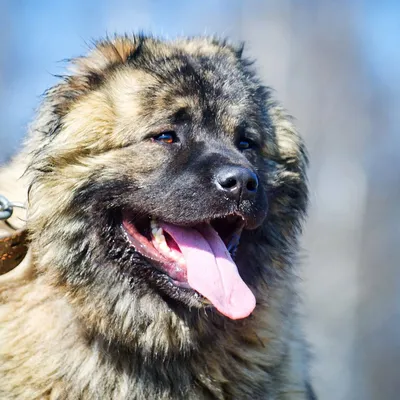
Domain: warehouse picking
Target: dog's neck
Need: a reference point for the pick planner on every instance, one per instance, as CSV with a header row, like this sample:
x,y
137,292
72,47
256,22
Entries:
x,y
83,363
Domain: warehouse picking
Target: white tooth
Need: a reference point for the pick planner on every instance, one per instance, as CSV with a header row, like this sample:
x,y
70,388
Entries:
x,y
153,224
164,247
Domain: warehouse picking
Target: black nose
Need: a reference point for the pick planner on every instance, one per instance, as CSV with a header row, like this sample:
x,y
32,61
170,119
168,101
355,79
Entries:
x,y
239,183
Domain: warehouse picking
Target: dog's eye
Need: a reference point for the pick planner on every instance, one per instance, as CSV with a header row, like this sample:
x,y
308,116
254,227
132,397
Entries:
x,y
166,137
245,144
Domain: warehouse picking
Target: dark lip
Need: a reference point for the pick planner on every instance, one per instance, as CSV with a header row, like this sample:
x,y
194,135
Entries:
x,y
250,221
175,273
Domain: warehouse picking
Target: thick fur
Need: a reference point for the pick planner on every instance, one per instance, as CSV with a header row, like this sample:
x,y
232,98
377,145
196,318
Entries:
x,y
85,316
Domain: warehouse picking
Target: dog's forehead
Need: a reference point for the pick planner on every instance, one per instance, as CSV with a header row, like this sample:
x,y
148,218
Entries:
x,y
203,86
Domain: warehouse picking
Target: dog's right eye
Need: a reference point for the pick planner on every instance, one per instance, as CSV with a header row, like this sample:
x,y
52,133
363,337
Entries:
x,y
166,137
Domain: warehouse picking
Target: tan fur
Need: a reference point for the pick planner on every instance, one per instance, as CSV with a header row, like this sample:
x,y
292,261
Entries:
x,y
45,350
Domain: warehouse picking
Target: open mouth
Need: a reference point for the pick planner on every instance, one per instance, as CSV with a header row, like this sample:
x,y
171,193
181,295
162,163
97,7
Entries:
x,y
197,257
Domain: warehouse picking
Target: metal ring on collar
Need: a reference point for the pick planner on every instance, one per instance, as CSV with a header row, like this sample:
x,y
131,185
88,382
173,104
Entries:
x,y
7,207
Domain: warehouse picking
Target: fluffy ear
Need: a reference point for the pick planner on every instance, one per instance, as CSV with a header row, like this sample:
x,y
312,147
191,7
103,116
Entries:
x,y
106,54
290,147
290,179
87,73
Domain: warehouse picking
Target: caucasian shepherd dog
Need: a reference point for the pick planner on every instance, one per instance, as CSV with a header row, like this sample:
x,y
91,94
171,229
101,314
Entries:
x,y
165,192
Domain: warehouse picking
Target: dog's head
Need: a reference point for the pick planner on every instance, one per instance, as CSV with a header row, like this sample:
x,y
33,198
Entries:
x,y
164,181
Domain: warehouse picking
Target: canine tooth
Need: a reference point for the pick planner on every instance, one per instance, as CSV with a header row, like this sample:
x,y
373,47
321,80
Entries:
x,y
159,235
153,225
164,247
159,239
160,232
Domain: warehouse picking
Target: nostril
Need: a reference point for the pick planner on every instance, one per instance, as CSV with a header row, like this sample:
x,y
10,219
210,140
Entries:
x,y
229,183
252,185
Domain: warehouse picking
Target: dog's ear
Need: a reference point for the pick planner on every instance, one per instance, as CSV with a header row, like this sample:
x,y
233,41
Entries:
x,y
105,55
289,153
290,148
88,72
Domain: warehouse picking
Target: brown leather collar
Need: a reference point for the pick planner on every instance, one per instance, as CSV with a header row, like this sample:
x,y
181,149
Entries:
x,y
13,249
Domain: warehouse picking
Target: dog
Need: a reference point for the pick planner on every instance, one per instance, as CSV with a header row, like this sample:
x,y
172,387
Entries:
x,y
165,192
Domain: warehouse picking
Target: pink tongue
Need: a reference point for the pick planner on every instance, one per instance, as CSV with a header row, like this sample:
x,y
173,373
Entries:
x,y
211,270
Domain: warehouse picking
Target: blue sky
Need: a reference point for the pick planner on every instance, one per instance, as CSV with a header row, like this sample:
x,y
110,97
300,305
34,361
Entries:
x,y
379,34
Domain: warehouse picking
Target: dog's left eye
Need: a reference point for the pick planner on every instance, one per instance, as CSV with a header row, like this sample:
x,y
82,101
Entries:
x,y
166,137
245,144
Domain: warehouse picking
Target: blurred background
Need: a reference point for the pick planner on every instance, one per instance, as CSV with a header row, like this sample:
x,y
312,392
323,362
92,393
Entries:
x,y
335,65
